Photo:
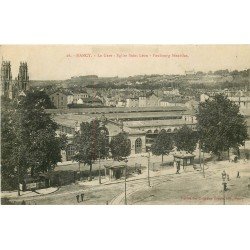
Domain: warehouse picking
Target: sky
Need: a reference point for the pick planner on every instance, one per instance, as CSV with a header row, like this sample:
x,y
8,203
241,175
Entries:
x,y
60,62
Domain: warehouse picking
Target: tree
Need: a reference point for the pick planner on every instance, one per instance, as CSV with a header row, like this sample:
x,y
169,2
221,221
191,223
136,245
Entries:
x,y
163,144
120,146
8,169
29,141
40,99
220,125
36,131
186,139
90,144
63,141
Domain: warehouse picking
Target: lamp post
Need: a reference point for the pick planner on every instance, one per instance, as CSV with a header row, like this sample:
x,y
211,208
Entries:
x,y
224,185
200,153
203,167
125,183
148,168
18,179
102,143
99,167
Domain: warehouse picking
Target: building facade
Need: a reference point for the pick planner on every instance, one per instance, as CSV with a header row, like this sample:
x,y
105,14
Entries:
x,y
10,88
142,124
81,95
22,80
6,80
132,102
59,100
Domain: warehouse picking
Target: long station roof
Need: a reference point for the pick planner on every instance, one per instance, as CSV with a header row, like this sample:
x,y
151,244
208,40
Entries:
x,y
106,110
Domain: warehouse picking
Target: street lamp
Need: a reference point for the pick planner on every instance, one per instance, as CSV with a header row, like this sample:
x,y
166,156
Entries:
x,y
224,185
99,168
203,167
102,142
18,179
125,183
148,168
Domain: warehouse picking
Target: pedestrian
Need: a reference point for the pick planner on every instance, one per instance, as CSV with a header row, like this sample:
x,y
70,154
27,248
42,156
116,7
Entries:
x,y
178,166
77,198
82,195
238,174
228,177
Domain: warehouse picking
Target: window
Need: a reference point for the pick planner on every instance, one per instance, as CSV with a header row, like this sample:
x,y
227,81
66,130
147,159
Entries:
x,y
70,151
138,145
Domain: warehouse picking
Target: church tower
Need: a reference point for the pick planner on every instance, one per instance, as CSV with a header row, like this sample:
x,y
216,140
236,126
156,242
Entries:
x,y
6,79
23,77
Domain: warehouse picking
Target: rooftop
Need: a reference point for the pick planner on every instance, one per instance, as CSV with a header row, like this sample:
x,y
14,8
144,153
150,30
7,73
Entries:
x,y
105,110
71,120
155,123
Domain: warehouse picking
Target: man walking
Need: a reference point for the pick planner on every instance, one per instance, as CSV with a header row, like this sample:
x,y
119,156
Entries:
x,y
77,198
178,166
82,196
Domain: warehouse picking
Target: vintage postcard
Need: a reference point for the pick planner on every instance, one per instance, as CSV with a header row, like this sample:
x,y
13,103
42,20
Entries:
x,y
125,124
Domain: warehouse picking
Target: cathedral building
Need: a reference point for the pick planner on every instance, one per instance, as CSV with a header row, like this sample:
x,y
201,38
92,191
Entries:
x,y
6,80
10,88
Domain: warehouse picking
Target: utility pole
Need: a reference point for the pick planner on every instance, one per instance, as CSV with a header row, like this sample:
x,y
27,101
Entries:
x,y
148,168
224,185
125,183
99,168
200,152
18,178
224,193
203,161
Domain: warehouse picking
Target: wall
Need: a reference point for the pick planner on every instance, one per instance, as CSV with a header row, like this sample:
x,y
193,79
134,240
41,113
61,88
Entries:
x,y
133,139
142,101
59,100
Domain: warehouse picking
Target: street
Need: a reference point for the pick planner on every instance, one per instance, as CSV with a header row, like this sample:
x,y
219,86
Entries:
x,y
188,187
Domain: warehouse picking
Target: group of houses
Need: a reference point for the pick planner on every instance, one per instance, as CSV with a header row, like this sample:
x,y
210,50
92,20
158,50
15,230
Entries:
x,y
65,99
166,98
239,97
169,98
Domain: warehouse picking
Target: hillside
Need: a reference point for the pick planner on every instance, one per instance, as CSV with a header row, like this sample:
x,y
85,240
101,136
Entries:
x,y
221,78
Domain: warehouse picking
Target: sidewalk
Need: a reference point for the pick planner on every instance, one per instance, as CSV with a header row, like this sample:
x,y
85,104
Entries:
x,y
143,175
39,192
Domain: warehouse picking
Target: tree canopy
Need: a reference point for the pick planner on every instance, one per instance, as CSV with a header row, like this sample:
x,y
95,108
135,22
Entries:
x,y
29,142
186,139
163,144
36,134
220,125
91,143
120,146
8,171
39,99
